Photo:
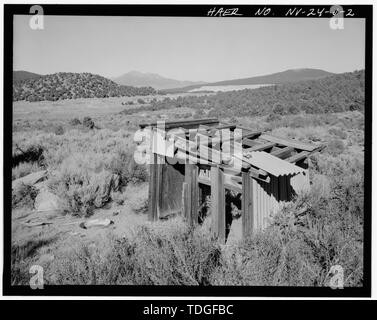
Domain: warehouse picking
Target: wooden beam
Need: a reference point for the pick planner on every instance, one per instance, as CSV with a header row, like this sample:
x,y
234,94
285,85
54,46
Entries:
x,y
283,152
245,135
251,134
186,201
218,203
226,126
250,143
297,157
213,156
259,176
159,187
256,133
261,147
229,184
191,177
152,192
247,206
182,123
289,143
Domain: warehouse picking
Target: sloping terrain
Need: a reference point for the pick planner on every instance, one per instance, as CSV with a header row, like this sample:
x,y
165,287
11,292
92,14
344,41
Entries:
x,y
62,85
337,93
288,76
292,75
24,75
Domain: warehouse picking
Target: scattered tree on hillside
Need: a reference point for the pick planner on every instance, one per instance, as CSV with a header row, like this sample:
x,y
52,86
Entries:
x,y
60,86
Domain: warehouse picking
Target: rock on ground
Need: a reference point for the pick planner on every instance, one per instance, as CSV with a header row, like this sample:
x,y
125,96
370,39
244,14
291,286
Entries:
x,y
96,223
47,201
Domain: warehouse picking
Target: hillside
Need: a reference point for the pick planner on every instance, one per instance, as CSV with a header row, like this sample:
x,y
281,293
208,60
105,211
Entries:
x,y
24,75
341,92
60,86
293,75
140,79
288,76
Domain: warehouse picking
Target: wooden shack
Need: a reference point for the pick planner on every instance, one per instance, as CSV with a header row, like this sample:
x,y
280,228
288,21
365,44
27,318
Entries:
x,y
193,158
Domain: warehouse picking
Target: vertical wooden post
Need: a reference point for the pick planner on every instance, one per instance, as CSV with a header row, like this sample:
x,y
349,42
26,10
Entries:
x,y
159,186
191,178
218,203
186,201
153,189
247,205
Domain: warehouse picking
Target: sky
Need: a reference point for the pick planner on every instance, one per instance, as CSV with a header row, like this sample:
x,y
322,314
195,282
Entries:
x,y
196,49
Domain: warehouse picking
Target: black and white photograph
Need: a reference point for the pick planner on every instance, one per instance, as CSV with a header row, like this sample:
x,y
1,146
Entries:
x,y
204,150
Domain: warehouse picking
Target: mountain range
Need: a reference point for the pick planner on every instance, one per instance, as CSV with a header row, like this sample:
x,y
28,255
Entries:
x,y
288,76
141,79
337,93
35,87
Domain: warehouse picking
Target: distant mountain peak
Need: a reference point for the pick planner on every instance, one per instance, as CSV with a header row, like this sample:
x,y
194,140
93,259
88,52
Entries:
x,y
136,73
143,79
297,69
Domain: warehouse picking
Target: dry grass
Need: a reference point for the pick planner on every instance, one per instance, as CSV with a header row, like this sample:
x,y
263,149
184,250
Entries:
x,y
294,250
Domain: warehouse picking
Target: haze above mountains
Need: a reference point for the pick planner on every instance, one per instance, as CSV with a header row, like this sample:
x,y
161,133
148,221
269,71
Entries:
x,y
140,79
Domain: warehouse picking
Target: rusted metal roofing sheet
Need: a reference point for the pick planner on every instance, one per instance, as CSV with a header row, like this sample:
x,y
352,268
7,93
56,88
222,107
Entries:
x,y
272,164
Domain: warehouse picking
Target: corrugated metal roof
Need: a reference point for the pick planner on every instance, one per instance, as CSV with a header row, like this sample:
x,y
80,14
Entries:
x,y
272,164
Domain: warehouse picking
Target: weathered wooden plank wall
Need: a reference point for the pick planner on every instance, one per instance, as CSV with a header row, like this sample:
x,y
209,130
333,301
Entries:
x,y
218,203
186,201
170,190
152,193
191,178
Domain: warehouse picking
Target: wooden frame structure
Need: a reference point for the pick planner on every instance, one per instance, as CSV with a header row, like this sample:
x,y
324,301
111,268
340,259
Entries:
x,y
204,153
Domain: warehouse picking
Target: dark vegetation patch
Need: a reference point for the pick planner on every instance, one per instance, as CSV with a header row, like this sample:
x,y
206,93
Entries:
x,y
338,93
62,85
88,123
33,153
24,196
